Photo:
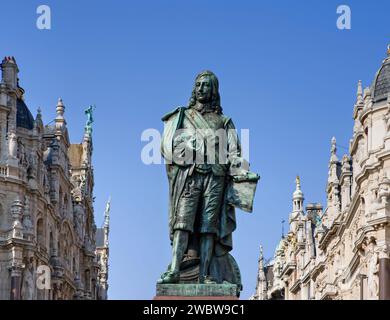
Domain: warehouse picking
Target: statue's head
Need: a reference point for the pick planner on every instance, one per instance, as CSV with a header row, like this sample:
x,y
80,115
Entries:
x,y
206,91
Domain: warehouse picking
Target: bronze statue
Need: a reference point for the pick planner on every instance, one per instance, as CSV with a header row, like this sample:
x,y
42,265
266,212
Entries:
x,y
207,179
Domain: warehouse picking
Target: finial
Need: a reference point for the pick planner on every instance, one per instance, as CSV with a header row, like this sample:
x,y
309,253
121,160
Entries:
x,y
39,114
60,108
388,49
360,92
261,252
107,213
298,182
333,148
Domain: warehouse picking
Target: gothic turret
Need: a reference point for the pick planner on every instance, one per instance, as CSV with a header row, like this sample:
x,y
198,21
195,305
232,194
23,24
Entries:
x,y
10,72
60,110
297,212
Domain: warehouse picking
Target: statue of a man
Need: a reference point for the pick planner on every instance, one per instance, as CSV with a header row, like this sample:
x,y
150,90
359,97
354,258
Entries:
x,y
200,146
27,291
90,120
372,274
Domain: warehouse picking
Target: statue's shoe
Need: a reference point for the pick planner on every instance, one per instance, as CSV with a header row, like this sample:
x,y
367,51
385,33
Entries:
x,y
206,280
169,277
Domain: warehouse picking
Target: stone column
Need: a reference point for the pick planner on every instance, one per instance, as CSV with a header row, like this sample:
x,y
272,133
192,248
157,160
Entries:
x,y
384,276
16,275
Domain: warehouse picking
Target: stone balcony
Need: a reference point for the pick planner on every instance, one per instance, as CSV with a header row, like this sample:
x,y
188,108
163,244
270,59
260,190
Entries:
x,y
3,171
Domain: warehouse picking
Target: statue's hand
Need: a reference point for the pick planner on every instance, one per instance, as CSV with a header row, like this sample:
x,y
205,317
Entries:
x,y
238,167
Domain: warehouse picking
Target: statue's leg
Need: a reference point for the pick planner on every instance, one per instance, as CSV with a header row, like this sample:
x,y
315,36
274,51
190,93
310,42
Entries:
x,y
184,225
211,208
206,252
179,247
180,242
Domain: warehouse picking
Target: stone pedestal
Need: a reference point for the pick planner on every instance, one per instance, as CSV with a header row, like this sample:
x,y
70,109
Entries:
x,y
196,292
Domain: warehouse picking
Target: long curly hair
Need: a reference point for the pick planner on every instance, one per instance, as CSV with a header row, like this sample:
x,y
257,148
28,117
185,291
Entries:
x,y
215,102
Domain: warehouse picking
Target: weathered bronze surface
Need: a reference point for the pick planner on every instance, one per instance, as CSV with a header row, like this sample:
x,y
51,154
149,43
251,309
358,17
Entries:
x,y
207,180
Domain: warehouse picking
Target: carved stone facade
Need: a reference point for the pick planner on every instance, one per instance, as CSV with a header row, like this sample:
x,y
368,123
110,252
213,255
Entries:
x,y
342,252
102,252
46,203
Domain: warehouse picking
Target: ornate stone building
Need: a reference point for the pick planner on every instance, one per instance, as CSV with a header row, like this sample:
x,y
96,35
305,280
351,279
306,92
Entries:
x,y
102,252
47,228
342,252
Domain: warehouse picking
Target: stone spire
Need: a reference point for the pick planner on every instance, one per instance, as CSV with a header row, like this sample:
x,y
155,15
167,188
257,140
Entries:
x,y
333,186
333,162
103,254
357,110
106,226
261,287
359,94
333,150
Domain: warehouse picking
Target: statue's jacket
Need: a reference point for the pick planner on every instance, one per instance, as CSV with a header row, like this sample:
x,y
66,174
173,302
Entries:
x,y
178,174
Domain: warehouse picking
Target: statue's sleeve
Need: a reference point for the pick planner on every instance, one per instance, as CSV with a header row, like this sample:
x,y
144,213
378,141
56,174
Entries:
x,y
172,122
233,143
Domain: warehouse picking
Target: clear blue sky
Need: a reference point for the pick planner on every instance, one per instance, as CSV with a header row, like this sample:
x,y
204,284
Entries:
x,y
286,73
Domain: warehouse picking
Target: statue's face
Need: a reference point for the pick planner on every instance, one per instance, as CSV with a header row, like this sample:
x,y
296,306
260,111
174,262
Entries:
x,y
203,89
